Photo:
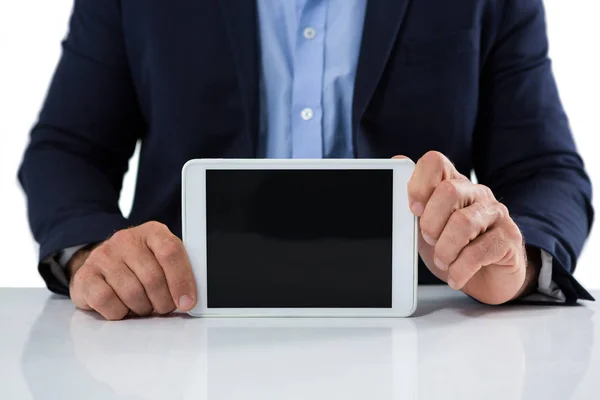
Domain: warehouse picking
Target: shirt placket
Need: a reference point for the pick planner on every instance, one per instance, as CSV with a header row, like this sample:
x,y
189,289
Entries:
x,y
307,88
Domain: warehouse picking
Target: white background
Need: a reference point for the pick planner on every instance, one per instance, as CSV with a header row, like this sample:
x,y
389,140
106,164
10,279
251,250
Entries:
x,y
30,35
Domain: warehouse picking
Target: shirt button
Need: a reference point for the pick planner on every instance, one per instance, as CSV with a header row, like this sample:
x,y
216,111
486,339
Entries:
x,y
309,32
306,114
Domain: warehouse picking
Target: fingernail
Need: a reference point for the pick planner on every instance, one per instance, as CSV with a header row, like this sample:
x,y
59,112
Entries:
x,y
185,303
429,240
417,208
440,264
451,283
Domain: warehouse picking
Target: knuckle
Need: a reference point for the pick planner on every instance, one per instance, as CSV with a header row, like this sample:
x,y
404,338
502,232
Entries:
x,y
125,236
101,259
99,255
503,212
153,281
478,211
486,192
514,233
97,260
80,280
449,189
156,226
464,219
170,250
134,294
433,158
101,297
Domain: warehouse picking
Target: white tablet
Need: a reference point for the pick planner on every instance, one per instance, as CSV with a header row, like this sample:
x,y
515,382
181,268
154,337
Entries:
x,y
293,238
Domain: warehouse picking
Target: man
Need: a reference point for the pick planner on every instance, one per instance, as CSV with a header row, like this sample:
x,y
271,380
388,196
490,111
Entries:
x,y
432,80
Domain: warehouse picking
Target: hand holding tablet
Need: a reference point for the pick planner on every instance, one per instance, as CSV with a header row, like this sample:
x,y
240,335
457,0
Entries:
x,y
310,238
300,237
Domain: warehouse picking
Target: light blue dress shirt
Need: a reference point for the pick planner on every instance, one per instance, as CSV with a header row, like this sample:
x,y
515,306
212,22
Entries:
x,y
309,55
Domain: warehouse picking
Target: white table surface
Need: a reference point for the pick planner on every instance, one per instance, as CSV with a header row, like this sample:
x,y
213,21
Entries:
x,y
454,348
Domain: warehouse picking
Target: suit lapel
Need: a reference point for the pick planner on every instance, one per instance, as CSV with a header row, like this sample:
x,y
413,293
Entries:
x,y
383,19
241,24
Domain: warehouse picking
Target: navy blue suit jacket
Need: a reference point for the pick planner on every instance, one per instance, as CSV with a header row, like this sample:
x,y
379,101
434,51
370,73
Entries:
x,y
468,78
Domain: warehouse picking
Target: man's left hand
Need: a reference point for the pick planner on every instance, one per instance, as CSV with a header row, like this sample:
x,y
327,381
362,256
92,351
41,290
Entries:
x,y
467,237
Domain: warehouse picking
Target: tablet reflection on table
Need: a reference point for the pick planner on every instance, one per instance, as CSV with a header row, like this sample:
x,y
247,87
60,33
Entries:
x,y
305,358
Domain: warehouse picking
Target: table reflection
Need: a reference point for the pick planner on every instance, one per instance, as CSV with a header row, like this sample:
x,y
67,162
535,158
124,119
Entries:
x,y
299,359
456,349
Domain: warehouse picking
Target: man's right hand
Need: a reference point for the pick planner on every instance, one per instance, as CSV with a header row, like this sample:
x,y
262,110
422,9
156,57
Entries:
x,y
139,270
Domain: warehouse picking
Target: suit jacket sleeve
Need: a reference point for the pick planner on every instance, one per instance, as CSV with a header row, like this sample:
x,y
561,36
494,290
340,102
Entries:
x,y
79,149
523,147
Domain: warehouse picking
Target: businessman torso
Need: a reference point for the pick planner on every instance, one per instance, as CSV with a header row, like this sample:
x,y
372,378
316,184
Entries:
x,y
470,79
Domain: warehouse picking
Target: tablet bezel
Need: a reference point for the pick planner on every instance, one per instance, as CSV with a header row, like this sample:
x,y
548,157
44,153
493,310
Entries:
x,y
404,230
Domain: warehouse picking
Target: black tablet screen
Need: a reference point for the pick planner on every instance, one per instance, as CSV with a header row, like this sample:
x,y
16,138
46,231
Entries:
x,y
299,238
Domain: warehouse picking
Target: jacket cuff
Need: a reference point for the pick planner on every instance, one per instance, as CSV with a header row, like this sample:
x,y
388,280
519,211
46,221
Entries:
x,y
79,231
562,267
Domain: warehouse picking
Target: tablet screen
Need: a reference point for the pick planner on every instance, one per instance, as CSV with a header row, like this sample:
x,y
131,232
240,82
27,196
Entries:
x,y
299,238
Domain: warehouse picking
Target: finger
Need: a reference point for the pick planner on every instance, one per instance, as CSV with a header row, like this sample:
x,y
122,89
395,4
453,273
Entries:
x,y
102,298
450,195
464,226
129,289
143,263
107,259
77,290
431,169
400,158
172,257
487,249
